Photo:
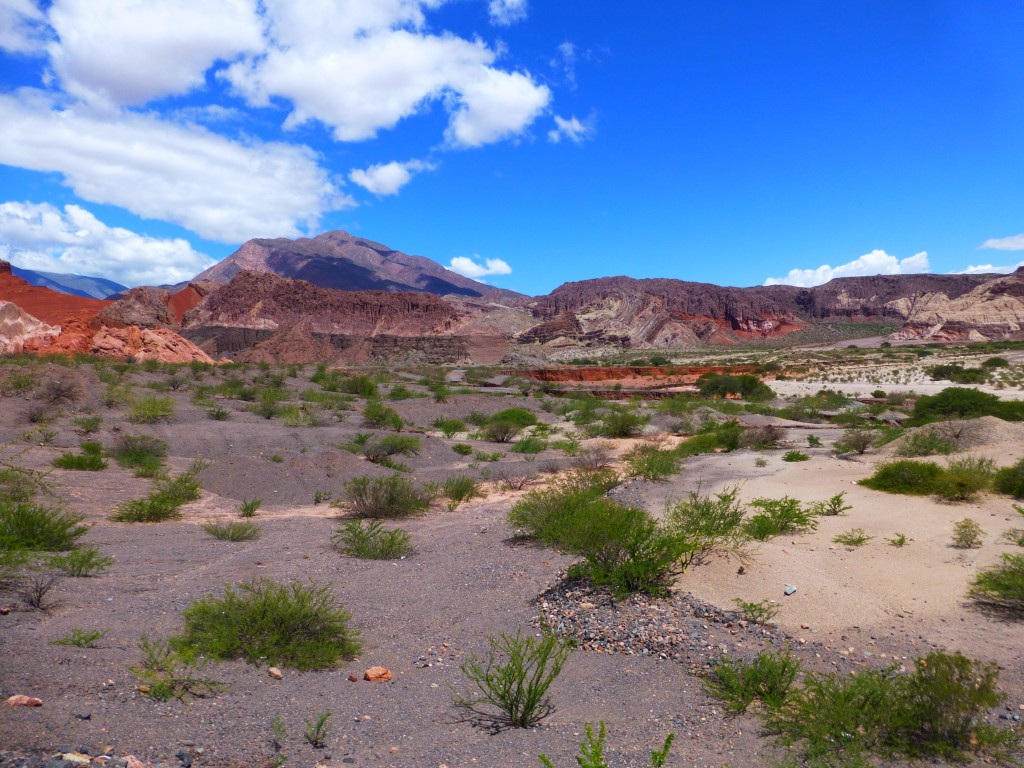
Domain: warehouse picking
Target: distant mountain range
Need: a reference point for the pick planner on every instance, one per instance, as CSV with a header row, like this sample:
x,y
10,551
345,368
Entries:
x,y
337,298
74,285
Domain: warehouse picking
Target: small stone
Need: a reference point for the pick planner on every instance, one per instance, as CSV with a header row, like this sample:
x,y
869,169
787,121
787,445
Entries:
x,y
377,674
393,750
348,759
20,700
353,678
131,761
275,673
185,757
83,715
75,758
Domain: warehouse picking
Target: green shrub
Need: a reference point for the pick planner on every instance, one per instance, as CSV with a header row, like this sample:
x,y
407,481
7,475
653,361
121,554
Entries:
x,y
385,497
450,427
1001,586
592,751
370,540
620,424
25,526
918,478
460,488
778,517
529,445
711,438
514,678
708,524
501,431
899,540
995,362
143,453
88,462
927,443
761,438
164,502
831,507
747,386
1010,480
795,456
317,730
150,409
936,711
81,562
651,463
964,478
855,537
965,403
768,678
264,622
1014,536
967,534
520,417
380,417
760,612
86,425
234,531
249,507
401,392
462,449
81,638
813,441
172,673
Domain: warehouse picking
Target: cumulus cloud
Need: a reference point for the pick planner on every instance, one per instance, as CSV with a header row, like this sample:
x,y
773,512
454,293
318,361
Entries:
x,y
1012,243
572,129
467,267
388,178
987,269
221,189
875,263
126,52
506,12
364,65
22,26
42,237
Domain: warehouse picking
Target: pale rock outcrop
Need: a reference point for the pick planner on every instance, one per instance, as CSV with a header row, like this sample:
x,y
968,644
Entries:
x,y
146,344
20,330
991,312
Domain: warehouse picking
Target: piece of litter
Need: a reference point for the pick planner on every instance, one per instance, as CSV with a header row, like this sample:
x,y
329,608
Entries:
x,y
789,590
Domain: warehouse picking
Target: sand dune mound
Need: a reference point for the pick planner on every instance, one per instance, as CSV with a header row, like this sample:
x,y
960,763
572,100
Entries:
x,y
968,433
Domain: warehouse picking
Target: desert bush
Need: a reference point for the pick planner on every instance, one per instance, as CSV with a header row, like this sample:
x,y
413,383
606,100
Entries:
x,y
724,436
965,403
1013,536
964,478
86,425
760,612
36,587
81,638
450,427
81,562
768,677
813,441
385,497
592,458
460,488
521,417
967,534
1001,586
25,526
537,515
761,438
88,462
317,729
918,478
164,502
514,678
620,424
831,507
237,530
708,524
899,540
529,444
17,484
855,537
778,517
1010,480
265,622
170,673
855,440
651,463
747,386
501,431
401,392
370,540
59,390
143,453
592,751
935,711
150,409
380,416
463,449
927,443
795,456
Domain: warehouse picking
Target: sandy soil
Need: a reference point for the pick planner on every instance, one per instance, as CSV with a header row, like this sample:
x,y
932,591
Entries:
x,y
419,617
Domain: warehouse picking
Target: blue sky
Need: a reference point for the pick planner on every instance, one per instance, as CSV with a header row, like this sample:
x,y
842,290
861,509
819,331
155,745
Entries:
x,y
526,143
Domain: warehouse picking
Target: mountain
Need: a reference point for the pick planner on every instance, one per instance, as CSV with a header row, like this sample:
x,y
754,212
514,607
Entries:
x,y
345,262
73,285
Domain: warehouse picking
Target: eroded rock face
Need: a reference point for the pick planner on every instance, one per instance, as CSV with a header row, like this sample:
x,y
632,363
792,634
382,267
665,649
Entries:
x,y
993,311
146,344
143,306
20,331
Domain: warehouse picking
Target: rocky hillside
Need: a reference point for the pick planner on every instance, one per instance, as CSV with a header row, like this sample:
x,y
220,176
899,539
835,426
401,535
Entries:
x,y
345,262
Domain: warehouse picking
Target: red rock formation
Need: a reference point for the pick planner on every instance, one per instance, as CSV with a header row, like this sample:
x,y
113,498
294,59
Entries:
x,y
20,331
686,374
46,305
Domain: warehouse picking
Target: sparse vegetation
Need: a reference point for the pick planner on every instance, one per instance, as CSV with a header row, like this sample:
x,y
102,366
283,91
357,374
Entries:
x,y
164,503
768,677
855,537
967,534
1001,586
385,497
150,409
372,541
82,638
80,562
760,612
795,456
592,750
234,530
460,488
777,517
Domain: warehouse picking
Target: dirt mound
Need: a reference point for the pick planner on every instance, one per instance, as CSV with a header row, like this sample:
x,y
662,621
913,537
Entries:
x,y
967,433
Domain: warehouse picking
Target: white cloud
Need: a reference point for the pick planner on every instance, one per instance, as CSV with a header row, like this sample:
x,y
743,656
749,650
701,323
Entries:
x,y
572,129
506,12
987,269
22,26
875,263
361,66
42,237
125,52
467,267
388,178
220,189
566,62
1012,243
